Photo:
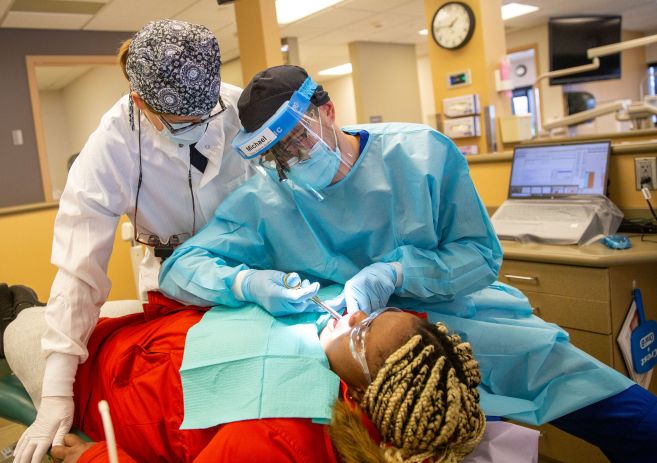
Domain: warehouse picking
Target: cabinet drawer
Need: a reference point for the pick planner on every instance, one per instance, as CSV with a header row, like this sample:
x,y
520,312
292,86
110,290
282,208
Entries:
x,y
596,345
563,447
562,280
570,312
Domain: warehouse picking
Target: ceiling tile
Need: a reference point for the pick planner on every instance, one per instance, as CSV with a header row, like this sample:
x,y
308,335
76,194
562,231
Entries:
x,y
411,8
130,15
208,13
402,33
374,6
376,23
331,38
331,20
26,20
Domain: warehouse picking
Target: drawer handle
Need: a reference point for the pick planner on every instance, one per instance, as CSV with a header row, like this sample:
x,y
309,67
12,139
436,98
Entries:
x,y
522,278
536,310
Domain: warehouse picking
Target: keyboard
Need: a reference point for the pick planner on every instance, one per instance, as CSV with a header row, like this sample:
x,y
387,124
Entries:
x,y
534,212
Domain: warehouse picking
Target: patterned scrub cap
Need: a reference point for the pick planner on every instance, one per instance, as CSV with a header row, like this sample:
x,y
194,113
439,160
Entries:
x,y
174,67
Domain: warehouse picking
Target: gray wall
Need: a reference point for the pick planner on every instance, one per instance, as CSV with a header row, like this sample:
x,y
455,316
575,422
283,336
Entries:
x,y
20,175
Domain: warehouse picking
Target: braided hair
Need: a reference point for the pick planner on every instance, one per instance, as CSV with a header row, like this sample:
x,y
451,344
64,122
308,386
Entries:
x,y
423,401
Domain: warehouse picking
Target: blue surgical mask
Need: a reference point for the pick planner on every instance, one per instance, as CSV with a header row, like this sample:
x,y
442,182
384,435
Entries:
x,y
187,138
319,171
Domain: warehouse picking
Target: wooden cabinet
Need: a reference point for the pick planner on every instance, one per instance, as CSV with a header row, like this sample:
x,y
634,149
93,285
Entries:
x,y
586,291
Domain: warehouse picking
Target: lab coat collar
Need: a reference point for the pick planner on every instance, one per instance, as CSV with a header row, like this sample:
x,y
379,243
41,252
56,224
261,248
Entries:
x,y
211,145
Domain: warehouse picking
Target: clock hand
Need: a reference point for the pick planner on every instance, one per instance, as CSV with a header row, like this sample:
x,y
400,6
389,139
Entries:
x,y
446,24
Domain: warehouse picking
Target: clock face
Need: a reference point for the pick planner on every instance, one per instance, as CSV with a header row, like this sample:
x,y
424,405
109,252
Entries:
x,y
452,25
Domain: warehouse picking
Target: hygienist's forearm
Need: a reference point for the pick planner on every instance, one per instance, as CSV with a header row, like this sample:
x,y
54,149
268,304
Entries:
x,y
452,270
195,276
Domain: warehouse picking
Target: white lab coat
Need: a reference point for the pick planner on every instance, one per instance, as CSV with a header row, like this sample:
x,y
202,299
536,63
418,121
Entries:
x,y
101,186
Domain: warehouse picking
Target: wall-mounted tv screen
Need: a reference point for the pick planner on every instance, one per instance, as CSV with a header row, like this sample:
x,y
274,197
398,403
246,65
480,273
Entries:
x,y
571,36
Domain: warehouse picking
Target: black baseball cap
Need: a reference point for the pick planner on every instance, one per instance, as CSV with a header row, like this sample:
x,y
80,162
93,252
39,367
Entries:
x,y
268,90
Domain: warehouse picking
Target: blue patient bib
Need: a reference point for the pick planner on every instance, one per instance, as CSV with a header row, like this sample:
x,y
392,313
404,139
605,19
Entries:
x,y
242,363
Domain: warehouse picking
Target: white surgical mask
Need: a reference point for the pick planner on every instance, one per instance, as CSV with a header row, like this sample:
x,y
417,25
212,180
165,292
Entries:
x,y
187,138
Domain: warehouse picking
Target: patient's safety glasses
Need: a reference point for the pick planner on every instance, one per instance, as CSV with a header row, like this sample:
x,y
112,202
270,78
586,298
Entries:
x,y
186,128
357,340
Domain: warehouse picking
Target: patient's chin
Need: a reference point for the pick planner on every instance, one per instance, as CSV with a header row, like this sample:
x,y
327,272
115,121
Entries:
x,y
332,331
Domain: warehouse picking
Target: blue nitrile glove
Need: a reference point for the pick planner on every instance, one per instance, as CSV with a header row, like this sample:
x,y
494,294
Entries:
x,y
266,288
370,289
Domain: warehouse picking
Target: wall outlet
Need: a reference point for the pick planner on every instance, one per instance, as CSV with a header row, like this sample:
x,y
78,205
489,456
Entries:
x,y
645,170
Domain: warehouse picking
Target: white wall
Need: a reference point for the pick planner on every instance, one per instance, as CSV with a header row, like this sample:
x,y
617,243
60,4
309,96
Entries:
x,y
522,59
88,97
386,83
551,99
651,50
427,104
55,132
341,92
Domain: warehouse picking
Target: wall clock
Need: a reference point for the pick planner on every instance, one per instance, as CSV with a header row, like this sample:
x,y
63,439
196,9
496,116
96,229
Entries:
x,y
452,25
520,70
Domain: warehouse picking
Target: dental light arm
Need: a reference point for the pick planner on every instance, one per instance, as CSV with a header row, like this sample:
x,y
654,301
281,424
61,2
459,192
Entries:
x,y
597,52
583,116
594,54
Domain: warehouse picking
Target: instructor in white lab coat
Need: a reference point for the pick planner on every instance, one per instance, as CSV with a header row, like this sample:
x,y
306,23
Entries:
x,y
161,155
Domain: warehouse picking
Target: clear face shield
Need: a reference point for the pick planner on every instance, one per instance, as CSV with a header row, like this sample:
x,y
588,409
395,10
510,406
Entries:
x,y
298,144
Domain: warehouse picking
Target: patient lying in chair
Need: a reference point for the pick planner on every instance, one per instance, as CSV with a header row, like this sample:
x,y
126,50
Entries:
x,y
414,397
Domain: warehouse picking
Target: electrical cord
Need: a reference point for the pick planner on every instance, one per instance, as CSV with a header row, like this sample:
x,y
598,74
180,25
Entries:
x,y
648,196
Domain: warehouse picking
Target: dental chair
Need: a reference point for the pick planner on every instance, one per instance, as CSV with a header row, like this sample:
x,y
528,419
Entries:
x,y
15,402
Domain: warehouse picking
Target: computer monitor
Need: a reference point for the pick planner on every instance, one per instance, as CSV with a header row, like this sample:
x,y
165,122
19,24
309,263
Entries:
x,y
566,169
571,36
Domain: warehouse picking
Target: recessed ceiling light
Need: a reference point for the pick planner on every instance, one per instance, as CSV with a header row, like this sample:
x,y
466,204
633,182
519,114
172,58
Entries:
x,y
337,70
288,11
511,10
423,32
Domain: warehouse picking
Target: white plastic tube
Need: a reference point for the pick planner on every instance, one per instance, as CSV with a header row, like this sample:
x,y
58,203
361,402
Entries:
x,y
112,453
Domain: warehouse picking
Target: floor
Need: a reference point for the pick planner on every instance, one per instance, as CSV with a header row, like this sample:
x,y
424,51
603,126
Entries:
x,y
9,435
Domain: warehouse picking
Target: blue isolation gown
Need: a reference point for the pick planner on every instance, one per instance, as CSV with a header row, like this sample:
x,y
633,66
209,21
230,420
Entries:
x,y
408,199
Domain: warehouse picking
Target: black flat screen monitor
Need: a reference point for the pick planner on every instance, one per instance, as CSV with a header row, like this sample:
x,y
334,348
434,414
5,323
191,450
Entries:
x,y
571,36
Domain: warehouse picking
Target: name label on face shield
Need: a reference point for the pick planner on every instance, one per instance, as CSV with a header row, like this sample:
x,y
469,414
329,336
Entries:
x,y
264,139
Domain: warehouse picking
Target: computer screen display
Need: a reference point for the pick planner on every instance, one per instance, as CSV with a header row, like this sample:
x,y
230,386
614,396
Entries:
x,y
543,171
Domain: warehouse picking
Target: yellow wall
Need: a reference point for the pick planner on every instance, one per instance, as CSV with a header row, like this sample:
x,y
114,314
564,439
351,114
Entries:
x,y
491,180
481,55
25,255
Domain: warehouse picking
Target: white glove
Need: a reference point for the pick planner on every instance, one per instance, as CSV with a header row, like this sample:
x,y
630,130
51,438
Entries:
x,y
53,421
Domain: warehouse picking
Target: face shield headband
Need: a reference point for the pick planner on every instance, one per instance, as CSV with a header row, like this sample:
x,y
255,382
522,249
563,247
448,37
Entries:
x,y
254,144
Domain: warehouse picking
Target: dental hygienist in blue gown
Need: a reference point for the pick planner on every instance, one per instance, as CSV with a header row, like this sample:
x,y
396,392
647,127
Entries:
x,y
389,211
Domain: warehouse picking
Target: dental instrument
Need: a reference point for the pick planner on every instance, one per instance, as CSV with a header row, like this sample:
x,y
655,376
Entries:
x,y
315,299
